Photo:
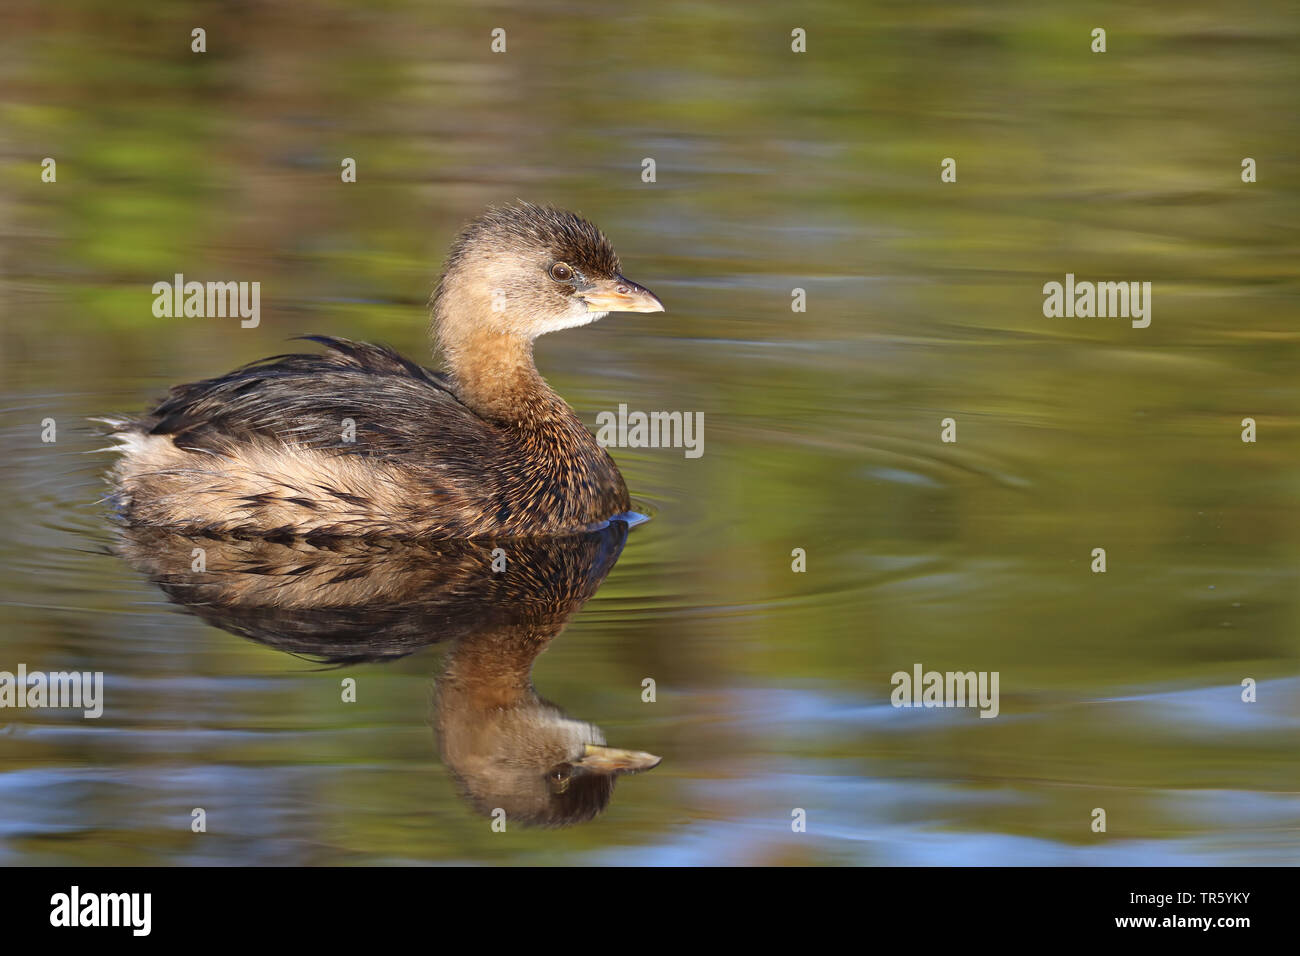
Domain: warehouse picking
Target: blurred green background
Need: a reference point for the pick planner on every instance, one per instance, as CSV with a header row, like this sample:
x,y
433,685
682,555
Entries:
x,y
775,170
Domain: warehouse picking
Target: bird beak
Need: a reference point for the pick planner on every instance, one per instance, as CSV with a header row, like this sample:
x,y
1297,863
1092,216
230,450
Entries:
x,y
619,295
612,760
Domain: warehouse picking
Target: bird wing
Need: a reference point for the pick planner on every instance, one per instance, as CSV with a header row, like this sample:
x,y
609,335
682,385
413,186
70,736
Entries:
x,y
356,398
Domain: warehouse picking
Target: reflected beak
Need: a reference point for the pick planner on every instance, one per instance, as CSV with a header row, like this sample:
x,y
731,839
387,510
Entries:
x,y
619,295
599,759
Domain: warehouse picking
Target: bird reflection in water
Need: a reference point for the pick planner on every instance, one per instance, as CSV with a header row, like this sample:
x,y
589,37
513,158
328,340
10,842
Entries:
x,y
347,601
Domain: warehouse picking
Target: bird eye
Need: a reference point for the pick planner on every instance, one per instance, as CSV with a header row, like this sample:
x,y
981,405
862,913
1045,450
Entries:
x,y
559,778
561,272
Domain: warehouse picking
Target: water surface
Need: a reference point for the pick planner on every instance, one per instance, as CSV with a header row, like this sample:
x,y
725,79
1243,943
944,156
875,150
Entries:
x,y
775,171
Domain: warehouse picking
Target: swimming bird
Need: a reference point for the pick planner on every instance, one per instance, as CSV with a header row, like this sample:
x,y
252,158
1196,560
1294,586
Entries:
x,y
358,440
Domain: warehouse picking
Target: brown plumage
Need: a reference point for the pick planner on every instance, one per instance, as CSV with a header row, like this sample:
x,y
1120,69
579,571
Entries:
x,y
360,441
346,600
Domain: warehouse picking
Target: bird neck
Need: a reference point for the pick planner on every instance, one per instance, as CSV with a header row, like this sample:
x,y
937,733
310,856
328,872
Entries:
x,y
492,371
492,669
494,374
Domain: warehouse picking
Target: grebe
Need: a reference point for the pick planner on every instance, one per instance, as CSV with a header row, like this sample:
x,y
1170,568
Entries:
x,y
360,441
